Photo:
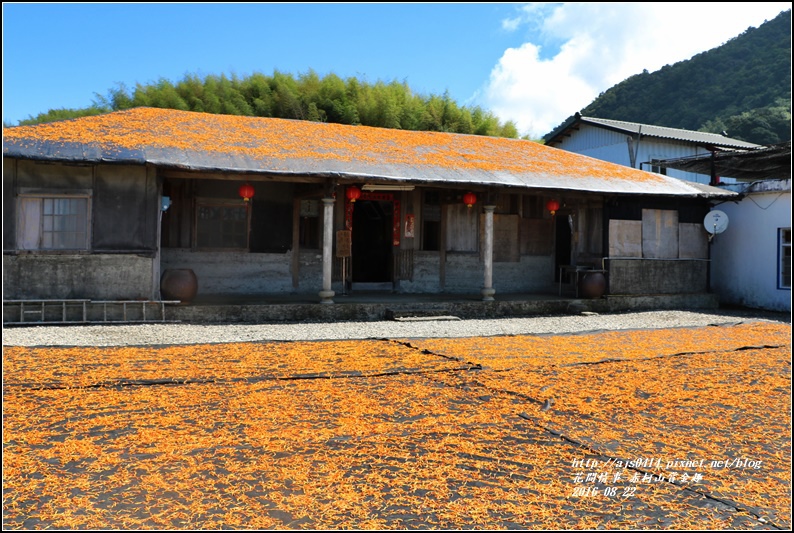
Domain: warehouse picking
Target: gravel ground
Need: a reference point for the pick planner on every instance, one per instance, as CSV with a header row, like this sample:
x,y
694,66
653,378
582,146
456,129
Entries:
x,y
169,334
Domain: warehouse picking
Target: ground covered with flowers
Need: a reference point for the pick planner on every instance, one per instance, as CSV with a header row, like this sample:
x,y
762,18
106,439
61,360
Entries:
x,y
686,428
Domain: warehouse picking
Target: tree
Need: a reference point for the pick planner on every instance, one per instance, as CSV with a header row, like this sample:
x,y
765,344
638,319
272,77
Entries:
x,y
309,97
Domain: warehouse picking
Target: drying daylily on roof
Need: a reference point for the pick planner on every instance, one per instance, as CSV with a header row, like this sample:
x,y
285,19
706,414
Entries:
x,y
204,141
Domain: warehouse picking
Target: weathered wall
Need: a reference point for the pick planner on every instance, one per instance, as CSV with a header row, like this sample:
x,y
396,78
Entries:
x,y
79,276
533,273
243,273
657,276
464,274
231,273
426,274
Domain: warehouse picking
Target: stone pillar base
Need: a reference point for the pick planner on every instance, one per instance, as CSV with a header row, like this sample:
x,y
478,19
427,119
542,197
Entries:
x,y
487,294
326,297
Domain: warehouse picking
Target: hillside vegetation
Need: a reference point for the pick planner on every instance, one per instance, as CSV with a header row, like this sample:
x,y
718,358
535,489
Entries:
x,y
742,87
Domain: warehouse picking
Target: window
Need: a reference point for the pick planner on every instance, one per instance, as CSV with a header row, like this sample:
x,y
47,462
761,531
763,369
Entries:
x,y
309,231
784,261
221,225
53,222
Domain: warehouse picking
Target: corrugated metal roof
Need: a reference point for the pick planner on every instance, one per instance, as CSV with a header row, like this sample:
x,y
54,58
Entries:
x,y
225,143
769,162
648,130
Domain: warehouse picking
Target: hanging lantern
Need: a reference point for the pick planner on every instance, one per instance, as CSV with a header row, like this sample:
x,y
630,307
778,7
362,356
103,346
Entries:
x,y
469,199
246,191
353,193
553,206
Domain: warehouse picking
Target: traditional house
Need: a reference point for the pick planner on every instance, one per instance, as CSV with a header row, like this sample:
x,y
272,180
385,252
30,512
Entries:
x,y
750,262
103,207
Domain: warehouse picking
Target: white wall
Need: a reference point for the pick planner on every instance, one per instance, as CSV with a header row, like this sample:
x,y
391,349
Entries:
x,y
612,146
744,269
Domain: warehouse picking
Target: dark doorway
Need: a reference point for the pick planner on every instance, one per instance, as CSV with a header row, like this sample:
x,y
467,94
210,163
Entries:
x,y
372,241
562,243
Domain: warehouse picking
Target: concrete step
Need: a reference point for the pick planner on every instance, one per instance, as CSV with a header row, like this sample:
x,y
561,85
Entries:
x,y
373,286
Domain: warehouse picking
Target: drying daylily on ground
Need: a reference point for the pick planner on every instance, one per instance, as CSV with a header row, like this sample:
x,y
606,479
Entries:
x,y
667,429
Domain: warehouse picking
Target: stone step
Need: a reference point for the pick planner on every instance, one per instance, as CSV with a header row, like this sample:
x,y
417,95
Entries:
x,y
408,315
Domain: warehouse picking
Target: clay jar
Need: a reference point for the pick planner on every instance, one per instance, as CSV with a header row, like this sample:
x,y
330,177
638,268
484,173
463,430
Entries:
x,y
179,284
592,285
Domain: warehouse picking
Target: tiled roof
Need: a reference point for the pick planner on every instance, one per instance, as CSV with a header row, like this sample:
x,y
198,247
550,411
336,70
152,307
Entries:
x,y
225,143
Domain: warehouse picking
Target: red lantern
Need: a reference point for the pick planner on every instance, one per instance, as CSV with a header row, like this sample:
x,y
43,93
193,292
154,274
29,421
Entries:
x,y
246,191
353,193
553,206
469,199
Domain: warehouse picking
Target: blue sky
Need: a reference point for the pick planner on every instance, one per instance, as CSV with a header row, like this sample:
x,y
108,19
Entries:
x,y
535,64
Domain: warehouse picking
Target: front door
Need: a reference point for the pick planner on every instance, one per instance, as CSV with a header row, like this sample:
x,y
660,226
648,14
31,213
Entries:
x,y
372,241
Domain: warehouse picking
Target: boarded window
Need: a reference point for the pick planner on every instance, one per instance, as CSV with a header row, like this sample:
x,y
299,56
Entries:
x,y
53,222
625,238
659,234
537,236
505,237
692,241
462,228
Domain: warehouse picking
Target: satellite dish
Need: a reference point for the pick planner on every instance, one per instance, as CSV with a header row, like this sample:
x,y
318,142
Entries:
x,y
715,222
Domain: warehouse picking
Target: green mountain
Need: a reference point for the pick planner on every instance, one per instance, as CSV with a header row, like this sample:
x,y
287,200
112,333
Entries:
x,y
742,87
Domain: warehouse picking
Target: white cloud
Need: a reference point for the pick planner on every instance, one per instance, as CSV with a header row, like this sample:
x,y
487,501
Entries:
x,y
602,45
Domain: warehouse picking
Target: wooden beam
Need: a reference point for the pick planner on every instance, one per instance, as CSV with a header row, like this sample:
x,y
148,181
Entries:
x,y
284,178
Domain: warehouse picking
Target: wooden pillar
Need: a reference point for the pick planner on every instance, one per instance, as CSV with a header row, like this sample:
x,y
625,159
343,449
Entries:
x,y
326,295
487,290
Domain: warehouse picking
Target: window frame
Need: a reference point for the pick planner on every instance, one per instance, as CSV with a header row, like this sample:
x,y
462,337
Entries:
x,y
28,194
309,224
227,203
782,245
